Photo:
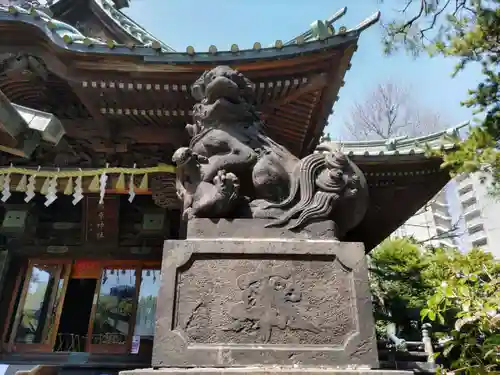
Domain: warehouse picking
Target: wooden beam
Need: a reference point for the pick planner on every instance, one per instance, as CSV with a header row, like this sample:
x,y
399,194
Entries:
x,y
316,83
85,129
169,72
92,107
327,99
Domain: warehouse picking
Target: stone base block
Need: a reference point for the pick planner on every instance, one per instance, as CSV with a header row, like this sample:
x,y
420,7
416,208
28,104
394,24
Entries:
x,y
255,228
263,371
233,302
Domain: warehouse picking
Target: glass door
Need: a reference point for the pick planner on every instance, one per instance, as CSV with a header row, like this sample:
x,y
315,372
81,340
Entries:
x,y
113,313
40,304
145,317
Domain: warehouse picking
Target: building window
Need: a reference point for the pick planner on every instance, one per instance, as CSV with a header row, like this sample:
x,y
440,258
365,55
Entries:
x,y
115,307
466,189
480,242
146,306
35,316
462,177
475,228
469,202
471,215
84,306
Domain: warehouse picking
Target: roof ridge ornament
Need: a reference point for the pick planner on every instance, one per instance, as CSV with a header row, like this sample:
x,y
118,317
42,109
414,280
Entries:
x,y
336,16
391,143
371,20
320,30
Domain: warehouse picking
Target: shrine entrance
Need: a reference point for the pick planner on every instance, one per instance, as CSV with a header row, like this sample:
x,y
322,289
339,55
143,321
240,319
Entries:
x,y
76,315
92,306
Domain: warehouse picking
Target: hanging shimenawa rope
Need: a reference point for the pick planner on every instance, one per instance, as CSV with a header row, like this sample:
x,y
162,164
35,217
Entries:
x,y
27,182
86,172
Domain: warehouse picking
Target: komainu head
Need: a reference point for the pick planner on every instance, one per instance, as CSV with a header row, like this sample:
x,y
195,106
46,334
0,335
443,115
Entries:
x,y
224,95
222,82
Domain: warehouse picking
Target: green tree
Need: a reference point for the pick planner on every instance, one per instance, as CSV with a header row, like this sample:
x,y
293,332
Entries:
x,y
470,31
467,297
457,291
399,290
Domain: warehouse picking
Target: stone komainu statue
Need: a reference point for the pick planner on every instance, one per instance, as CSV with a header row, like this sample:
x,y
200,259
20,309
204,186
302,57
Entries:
x,y
231,169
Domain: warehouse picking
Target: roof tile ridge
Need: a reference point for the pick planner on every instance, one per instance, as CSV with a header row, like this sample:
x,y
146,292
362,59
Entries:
x,y
118,17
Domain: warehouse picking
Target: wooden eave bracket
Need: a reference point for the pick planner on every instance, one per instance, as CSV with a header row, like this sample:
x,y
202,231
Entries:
x,y
318,82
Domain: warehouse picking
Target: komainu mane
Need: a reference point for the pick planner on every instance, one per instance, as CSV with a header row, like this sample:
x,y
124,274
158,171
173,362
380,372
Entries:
x,y
231,169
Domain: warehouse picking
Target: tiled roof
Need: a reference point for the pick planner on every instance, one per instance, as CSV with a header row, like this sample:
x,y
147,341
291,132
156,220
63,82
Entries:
x,y
70,34
68,37
401,145
129,26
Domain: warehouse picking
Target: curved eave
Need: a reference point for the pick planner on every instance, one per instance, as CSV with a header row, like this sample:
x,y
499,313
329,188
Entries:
x,y
128,26
73,11
401,179
122,27
19,24
415,154
402,147
399,185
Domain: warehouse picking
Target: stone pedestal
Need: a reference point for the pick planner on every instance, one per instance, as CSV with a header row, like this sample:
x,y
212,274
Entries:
x,y
263,371
238,294
240,298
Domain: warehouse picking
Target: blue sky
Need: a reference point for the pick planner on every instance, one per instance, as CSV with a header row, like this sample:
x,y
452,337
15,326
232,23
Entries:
x,y
180,23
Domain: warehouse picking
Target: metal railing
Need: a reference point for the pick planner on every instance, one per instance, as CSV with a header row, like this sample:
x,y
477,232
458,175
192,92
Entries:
x,y
397,353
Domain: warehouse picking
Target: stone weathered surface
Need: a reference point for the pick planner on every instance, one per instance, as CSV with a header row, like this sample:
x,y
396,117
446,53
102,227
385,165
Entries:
x,y
269,301
252,228
263,371
233,169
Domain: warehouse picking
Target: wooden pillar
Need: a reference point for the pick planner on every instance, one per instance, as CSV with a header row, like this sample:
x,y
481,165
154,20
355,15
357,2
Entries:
x,y
4,266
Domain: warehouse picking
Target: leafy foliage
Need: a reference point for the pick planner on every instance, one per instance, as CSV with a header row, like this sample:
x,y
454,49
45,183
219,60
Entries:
x,y
458,292
470,294
399,290
470,31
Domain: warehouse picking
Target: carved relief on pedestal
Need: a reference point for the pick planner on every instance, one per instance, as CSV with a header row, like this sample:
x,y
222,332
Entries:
x,y
268,298
229,302
249,302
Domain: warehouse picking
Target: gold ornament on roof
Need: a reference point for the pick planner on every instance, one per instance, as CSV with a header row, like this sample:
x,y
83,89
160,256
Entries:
x,y
300,40
156,45
212,49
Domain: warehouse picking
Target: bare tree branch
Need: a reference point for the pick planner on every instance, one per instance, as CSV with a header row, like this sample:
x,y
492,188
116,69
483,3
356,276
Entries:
x,y
430,11
447,235
389,111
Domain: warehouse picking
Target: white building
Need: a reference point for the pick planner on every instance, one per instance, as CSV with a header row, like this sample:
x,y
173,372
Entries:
x,y
26,2
463,214
433,224
480,212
